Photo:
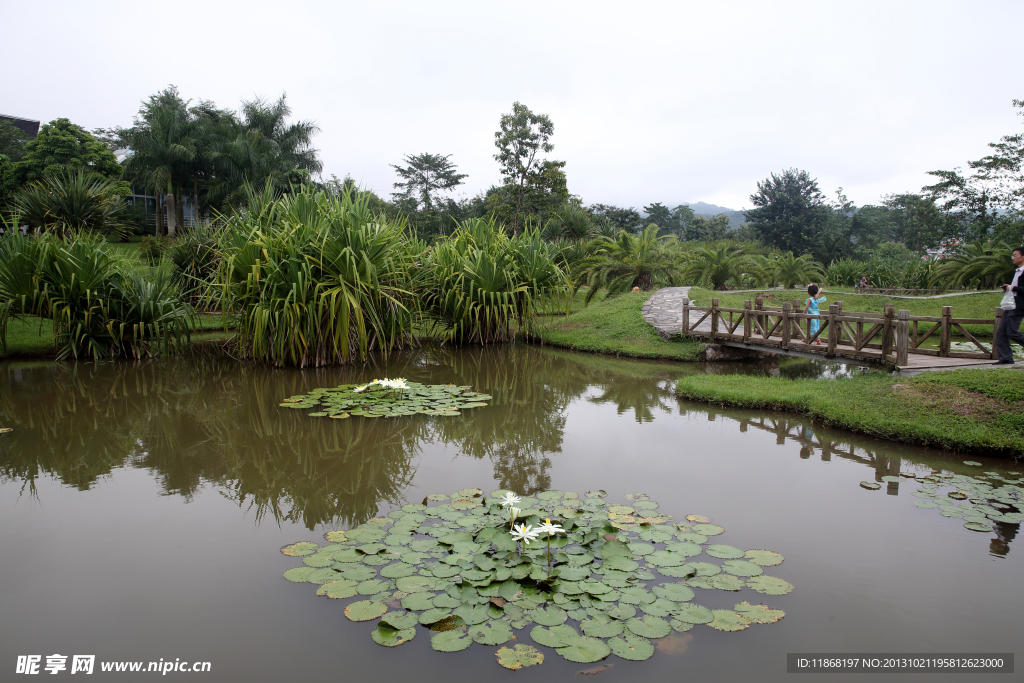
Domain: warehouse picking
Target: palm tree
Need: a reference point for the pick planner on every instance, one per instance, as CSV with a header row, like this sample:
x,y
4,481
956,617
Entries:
x,y
788,270
260,148
716,267
163,149
629,261
572,222
980,264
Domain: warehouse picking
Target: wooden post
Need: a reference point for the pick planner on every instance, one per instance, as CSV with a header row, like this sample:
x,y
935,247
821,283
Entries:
x,y
746,321
786,330
833,324
686,316
759,305
887,325
840,305
902,337
995,330
714,318
947,331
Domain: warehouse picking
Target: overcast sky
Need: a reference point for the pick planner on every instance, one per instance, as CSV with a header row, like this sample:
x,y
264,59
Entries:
x,y
666,101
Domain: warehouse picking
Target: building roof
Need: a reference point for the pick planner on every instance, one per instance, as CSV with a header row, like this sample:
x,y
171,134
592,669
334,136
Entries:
x,y
26,126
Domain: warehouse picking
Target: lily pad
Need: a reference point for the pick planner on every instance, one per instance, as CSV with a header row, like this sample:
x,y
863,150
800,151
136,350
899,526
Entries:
x,y
724,552
631,647
491,633
708,529
390,637
972,463
676,592
400,620
450,641
583,649
418,601
694,614
649,626
520,656
554,636
770,585
870,485
298,574
741,568
727,620
759,614
300,549
764,558
365,610
549,616
601,627
978,526
341,588
473,614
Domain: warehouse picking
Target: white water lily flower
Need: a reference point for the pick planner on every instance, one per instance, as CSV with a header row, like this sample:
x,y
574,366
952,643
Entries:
x,y
514,512
509,499
550,529
524,533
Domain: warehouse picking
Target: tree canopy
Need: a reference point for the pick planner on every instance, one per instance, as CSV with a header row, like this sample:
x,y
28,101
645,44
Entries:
x,y
64,146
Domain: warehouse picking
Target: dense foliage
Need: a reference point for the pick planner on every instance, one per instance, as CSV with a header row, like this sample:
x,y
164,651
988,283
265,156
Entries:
x,y
98,307
483,285
316,278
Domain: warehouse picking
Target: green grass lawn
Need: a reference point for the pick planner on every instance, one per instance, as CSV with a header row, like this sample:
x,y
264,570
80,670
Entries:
x,y
613,326
978,411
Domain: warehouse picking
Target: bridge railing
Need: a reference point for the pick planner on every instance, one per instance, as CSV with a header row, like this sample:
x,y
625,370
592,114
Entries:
x,y
891,336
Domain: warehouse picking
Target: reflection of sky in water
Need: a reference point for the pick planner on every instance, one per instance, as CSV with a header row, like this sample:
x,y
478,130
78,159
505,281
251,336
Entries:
x,y
129,494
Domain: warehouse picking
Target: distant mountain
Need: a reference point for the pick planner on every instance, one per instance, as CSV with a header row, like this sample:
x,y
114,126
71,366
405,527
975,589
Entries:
x,y
736,218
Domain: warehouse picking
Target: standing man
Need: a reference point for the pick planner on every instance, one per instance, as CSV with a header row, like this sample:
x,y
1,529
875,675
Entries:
x,y
1009,327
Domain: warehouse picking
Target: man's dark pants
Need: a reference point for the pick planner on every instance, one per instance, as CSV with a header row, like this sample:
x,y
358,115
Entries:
x,y
1009,329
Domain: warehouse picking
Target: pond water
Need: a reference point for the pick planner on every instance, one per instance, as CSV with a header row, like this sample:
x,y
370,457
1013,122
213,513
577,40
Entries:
x,y
143,506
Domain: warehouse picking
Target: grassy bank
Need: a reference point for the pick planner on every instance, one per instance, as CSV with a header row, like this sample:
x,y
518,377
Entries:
x,y
978,411
614,326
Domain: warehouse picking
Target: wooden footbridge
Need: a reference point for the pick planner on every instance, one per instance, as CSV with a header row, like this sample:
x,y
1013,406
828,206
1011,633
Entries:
x,y
893,337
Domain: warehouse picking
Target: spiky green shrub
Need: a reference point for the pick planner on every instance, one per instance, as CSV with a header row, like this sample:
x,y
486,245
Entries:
x,y
74,201
982,264
483,286
195,257
626,261
316,278
99,308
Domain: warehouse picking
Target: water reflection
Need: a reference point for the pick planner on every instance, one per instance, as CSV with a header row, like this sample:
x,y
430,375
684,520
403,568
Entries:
x,y
886,460
201,421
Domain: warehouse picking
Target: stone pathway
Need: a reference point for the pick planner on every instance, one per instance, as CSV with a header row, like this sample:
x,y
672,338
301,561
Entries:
x,y
664,310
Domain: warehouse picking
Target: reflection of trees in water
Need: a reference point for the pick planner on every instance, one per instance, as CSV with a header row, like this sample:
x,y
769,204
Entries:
x,y
196,420
525,419
192,421
885,461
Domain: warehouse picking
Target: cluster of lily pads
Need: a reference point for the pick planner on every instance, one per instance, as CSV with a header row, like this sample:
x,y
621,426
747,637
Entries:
x,y
388,398
979,501
461,568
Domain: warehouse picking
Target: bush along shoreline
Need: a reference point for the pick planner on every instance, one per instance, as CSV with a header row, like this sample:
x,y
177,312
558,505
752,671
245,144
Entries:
x,y
971,411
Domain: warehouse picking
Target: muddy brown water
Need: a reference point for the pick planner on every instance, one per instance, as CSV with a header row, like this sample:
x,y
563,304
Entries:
x,y
143,505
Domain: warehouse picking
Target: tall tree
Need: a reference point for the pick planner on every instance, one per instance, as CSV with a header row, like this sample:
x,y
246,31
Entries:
x,y
662,216
612,219
12,141
982,203
521,136
790,211
425,176
64,146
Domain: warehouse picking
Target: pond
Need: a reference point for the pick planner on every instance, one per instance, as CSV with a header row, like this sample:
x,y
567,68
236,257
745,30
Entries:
x,y
143,507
